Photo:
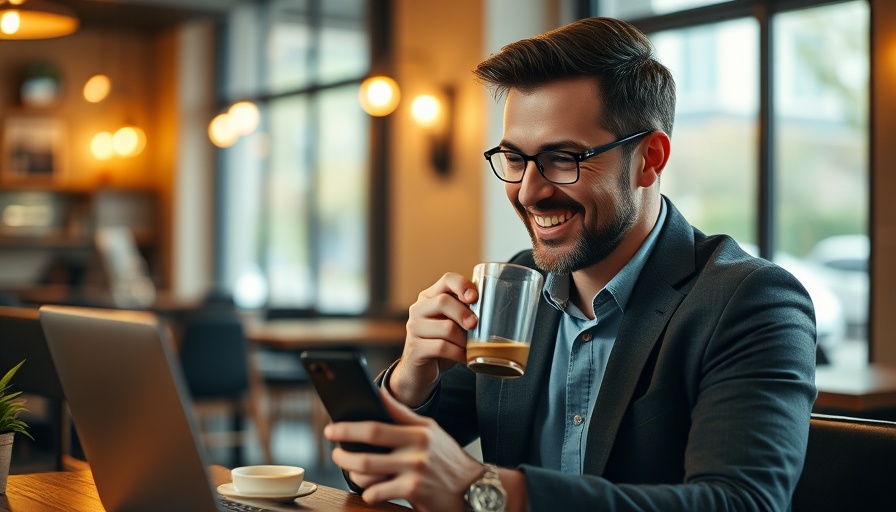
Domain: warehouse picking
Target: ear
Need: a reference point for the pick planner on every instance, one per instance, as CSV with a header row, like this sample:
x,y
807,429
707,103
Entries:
x,y
656,153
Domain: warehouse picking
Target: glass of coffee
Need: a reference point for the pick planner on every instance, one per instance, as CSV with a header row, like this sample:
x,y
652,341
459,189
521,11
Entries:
x,y
508,298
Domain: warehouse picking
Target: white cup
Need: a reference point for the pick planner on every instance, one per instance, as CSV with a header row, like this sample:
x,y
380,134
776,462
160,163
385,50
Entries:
x,y
267,480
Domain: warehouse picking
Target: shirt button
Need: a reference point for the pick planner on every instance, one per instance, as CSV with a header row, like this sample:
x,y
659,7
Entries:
x,y
586,336
577,420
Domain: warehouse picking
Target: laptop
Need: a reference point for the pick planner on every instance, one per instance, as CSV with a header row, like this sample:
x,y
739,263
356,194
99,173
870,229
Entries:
x,y
131,409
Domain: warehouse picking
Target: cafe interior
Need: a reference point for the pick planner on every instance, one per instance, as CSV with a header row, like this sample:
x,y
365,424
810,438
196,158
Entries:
x,y
309,166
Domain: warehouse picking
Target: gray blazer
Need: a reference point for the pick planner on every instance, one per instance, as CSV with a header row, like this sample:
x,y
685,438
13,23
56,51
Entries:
x,y
706,399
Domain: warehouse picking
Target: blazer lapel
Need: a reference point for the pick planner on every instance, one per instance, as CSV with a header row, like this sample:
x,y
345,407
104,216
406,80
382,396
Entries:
x,y
651,305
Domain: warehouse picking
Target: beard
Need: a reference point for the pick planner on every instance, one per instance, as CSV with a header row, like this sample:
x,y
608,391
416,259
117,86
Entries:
x,y
596,243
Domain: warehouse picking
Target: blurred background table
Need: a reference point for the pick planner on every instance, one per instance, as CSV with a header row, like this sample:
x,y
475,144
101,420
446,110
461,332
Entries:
x,y
867,391
325,332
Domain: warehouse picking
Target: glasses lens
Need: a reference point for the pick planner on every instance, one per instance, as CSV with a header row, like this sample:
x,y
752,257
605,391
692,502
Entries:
x,y
509,166
559,167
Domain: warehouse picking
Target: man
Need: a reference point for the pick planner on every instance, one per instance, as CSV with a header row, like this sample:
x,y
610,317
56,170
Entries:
x,y
669,369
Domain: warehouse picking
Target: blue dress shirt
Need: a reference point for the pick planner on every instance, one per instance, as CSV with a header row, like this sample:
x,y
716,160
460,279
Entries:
x,y
580,360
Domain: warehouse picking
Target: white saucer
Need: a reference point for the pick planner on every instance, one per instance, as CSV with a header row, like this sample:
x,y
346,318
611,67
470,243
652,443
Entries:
x,y
230,491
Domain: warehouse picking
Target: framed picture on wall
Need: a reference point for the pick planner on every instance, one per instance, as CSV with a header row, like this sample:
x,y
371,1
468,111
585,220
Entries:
x,y
34,150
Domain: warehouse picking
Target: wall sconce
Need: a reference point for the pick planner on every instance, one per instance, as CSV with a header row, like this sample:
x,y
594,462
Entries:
x,y
35,19
436,115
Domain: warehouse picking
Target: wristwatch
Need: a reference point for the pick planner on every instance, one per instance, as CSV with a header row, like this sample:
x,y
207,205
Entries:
x,y
486,494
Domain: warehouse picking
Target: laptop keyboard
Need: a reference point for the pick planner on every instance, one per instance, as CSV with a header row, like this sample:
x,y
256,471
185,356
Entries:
x,y
225,505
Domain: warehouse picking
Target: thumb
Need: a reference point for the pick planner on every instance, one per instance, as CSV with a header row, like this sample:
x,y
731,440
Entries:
x,y
400,412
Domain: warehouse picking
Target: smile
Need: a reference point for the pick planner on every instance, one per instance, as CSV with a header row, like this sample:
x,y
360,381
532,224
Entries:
x,y
555,220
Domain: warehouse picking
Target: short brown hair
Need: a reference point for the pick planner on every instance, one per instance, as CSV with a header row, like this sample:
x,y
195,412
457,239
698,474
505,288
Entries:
x,y
638,91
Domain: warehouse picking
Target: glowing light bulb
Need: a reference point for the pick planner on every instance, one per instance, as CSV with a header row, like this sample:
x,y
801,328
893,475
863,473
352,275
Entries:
x,y
379,96
97,88
244,116
101,146
129,141
222,132
425,109
10,22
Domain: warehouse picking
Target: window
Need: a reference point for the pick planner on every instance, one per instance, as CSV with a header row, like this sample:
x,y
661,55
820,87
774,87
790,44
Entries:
x,y
294,196
806,204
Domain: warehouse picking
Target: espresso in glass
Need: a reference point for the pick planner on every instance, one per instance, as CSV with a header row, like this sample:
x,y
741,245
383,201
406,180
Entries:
x,y
498,357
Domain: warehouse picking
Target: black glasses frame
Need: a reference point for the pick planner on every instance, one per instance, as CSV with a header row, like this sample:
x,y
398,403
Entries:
x,y
578,157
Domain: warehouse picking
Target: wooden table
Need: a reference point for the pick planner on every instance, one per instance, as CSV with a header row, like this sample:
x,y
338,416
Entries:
x,y
856,389
75,491
318,333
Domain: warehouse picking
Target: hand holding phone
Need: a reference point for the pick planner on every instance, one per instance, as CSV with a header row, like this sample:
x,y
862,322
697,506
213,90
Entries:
x,y
347,390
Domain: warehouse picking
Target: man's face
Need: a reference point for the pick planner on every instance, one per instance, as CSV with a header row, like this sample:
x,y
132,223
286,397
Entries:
x,y
578,225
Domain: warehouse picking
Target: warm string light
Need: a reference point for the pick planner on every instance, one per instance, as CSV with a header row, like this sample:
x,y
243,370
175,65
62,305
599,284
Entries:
x,y
241,119
126,142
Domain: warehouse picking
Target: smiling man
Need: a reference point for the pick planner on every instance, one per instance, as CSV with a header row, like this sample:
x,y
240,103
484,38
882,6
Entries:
x,y
669,370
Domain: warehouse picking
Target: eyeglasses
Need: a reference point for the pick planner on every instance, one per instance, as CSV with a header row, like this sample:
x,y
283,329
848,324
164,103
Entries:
x,y
557,166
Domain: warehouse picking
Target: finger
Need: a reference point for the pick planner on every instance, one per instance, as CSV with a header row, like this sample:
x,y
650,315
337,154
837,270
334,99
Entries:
x,y
455,284
400,412
378,465
392,489
365,480
434,345
439,307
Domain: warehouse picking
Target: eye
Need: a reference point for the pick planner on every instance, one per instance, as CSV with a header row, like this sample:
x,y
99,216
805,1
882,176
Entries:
x,y
514,160
557,160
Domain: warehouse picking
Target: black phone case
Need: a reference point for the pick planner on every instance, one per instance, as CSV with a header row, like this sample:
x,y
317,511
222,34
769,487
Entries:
x,y
347,391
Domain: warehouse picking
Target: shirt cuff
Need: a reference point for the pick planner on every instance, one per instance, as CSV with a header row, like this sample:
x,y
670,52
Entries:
x,y
427,404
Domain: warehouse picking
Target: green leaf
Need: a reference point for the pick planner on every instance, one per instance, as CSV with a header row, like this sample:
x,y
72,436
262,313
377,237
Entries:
x,y
10,408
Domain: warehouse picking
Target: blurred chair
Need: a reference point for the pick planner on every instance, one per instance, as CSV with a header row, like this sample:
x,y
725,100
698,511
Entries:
x,y
21,337
850,465
216,364
288,386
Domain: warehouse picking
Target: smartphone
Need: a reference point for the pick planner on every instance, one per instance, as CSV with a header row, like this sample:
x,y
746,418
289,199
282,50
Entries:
x,y
347,391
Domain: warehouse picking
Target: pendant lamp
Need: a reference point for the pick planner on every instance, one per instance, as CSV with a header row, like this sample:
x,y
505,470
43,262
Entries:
x,y
35,19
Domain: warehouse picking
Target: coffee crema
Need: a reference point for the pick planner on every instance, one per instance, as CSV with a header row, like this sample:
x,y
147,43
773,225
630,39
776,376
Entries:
x,y
498,357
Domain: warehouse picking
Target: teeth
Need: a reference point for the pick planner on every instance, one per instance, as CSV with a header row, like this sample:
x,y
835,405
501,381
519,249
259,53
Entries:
x,y
547,222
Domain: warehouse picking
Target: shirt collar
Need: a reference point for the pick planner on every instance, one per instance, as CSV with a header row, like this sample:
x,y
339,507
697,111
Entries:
x,y
556,287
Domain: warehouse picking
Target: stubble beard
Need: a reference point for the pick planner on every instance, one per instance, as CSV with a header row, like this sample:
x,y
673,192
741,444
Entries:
x,y
595,244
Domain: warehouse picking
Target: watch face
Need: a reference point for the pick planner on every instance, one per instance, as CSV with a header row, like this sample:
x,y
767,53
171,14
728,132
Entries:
x,y
486,497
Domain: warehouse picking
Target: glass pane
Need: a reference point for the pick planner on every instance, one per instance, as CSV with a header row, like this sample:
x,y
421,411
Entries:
x,y
289,46
344,44
241,217
301,52
341,202
712,172
821,74
630,9
288,203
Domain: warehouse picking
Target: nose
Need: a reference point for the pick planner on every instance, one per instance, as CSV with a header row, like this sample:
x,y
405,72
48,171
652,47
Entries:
x,y
534,186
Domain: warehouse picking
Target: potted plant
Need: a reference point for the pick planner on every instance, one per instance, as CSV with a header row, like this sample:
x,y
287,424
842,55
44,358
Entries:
x,y
10,408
